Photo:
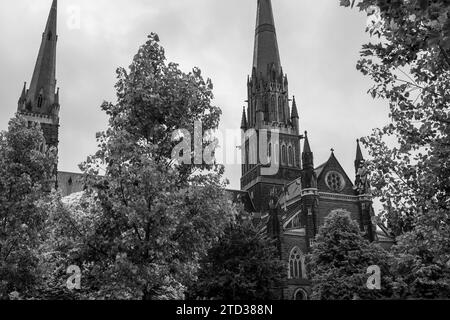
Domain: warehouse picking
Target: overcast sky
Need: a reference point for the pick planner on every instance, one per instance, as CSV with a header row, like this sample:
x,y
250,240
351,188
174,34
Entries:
x,y
319,45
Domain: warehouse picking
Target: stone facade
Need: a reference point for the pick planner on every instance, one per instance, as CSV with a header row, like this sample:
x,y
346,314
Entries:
x,y
295,200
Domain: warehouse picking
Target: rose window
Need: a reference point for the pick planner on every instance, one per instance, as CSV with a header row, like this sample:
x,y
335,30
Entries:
x,y
335,181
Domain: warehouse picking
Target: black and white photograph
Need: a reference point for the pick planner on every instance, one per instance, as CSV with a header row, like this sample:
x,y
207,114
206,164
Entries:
x,y
202,151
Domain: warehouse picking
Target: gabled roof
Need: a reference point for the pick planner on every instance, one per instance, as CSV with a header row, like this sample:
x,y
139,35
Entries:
x,y
332,161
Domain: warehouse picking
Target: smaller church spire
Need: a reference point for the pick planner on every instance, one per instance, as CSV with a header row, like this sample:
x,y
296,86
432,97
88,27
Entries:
x,y
307,156
359,156
306,148
23,96
244,120
294,109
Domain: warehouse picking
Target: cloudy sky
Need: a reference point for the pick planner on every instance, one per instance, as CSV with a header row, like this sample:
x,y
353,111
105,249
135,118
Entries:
x,y
319,44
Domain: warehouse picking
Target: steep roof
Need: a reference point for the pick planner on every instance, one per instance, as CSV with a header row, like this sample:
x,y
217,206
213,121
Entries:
x,y
333,165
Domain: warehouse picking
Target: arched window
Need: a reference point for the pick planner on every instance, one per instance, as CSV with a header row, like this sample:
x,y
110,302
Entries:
x,y
280,110
39,101
246,157
291,156
296,264
273,108
253,156
266,109
300,294
276,154
283,154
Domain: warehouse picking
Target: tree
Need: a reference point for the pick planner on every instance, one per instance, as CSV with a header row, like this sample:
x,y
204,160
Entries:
x,y
156,217
156,100
410,165
243,265
26,176
410,67
339,261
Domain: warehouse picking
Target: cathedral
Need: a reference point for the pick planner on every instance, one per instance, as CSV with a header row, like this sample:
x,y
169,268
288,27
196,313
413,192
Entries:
x,y
288,204
292,202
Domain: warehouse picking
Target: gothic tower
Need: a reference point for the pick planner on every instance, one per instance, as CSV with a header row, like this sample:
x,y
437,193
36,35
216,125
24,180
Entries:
x,y
40,102
272,136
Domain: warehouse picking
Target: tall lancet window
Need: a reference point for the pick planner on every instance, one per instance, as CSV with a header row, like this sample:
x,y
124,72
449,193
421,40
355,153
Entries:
x,y
273,109
39,101
296,264
269,152
291,156
283,155
280,110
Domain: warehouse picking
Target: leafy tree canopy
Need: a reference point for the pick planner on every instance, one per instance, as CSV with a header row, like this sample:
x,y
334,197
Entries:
x,y
243,265
150,220
27,170
410,66
339,261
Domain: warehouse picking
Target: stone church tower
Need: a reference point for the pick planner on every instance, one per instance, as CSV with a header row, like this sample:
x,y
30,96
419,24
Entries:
x,y
293,200
269,111
40,102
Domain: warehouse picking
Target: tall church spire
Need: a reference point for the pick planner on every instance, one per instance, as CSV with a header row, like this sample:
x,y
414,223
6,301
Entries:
x,y
268,110
266,52
41,94
40,103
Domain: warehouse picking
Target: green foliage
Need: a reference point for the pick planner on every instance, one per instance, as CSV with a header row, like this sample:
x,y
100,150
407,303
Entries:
x,y
26,176
243,265
339,261
410,66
